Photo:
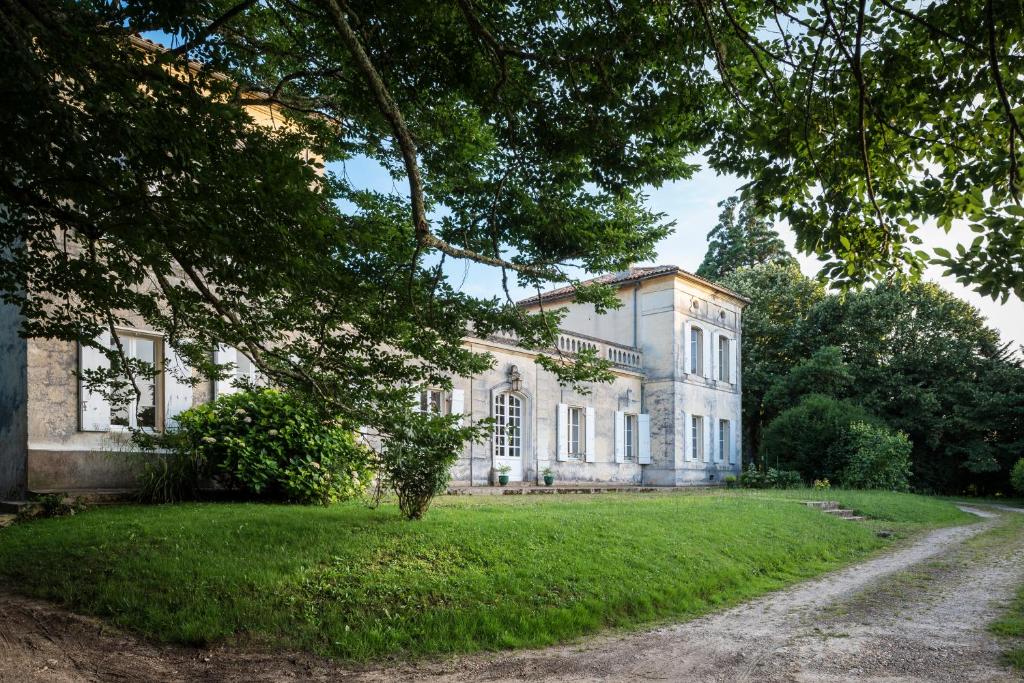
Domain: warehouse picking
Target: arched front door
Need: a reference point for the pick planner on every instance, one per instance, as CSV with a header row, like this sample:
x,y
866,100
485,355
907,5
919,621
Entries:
x,y
508,434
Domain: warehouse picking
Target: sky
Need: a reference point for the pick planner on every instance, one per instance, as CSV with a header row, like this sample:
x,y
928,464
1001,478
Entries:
x,y
693,205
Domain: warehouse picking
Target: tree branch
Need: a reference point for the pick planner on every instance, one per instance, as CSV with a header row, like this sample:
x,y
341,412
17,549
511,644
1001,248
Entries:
x,y
211,28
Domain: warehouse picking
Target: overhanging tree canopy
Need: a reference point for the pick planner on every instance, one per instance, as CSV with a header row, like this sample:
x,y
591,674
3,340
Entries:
x,y
519,135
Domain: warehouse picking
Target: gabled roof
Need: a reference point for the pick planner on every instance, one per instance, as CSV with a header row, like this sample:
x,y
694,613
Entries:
x,y
632,274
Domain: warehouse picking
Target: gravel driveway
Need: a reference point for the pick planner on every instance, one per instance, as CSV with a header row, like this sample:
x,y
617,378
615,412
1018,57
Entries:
x,y
918,613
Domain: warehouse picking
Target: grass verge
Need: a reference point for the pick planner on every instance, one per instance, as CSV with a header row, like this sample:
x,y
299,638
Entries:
x,y
1011,625
477,574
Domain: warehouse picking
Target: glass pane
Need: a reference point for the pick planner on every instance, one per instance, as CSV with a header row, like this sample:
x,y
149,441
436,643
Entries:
x,y
147,417
119,416
243,366
143,349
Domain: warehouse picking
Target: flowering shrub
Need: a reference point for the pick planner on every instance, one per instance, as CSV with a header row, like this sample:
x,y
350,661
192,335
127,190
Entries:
x,y
753,478
269,445
822,484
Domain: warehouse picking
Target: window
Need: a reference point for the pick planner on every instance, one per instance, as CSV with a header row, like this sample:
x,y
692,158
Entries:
x,y
577,432
139,412
508,426
723,359
724,439
697,437
630,438
431,401
696,351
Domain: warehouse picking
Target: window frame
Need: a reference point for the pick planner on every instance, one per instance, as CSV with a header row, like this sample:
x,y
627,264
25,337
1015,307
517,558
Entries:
x,y
424,404
724,358
503,441
580,413
630,437
697,437
128,338
696,350
724,439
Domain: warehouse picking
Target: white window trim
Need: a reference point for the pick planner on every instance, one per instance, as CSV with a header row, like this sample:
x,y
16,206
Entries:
x,y
696,346
697,438
631,437
504,435
130,334
580,412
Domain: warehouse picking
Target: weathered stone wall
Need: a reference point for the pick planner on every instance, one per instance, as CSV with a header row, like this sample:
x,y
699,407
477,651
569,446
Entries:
x,y
656,315
60,456
13,406
541,395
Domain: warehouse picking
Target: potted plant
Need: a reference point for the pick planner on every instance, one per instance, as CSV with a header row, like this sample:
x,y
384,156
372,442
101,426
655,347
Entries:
x,y
549,476
730,481
503,471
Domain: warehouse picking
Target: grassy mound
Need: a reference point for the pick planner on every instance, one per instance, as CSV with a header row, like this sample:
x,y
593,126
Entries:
x,y
476,574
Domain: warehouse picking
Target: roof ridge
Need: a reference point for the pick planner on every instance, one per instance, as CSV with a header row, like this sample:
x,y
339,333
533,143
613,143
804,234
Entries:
x,y
631,274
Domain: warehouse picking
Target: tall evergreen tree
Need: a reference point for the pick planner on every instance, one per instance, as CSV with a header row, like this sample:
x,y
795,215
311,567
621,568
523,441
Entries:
x,y
741,239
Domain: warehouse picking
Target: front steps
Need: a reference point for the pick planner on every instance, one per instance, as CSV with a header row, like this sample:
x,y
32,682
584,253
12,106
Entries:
x,y
832,507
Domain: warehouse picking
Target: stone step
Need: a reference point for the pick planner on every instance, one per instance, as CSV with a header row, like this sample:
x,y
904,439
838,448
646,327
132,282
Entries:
x,y
822,504
7,520
13,507
838,512
92,496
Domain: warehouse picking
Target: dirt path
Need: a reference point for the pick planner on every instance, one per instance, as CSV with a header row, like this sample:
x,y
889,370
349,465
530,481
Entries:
x,y
918,613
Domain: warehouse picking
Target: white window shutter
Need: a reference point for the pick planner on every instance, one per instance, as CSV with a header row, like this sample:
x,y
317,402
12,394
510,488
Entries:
x,y
709,355
687,361
732,442
458,403
643,423
715,360
734,359
177,392
94,407
590,425
711,438
562,428
620,436
222,356
688,453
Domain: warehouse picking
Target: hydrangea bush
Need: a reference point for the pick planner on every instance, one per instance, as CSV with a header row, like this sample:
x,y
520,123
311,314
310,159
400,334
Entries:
x,y
269,445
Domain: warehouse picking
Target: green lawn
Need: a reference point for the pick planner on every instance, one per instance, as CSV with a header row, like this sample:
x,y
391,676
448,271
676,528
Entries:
x,y
477,573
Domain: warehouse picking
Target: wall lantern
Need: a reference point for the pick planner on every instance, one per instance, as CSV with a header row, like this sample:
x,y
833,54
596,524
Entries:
x,y
515,380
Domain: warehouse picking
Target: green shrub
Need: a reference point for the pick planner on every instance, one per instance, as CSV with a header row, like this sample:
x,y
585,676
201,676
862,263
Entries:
x,y
416,463
879,458
171,477
730,481
753,478
268,445
822,484
1017,477
804,437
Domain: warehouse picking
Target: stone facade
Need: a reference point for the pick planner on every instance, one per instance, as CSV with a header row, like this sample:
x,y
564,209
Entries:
x,y
46,443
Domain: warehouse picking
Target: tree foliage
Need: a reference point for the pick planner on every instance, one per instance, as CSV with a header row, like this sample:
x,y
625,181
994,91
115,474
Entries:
x,y
136,188
807,436
875,458
741,239
911,355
